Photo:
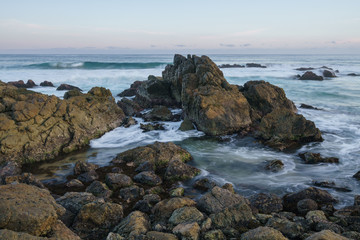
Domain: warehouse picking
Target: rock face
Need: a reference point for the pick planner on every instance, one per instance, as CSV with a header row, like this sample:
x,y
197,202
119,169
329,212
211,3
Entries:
x,y
36,127
26,208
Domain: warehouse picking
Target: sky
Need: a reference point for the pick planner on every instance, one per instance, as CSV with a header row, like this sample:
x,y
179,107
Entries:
x,y
167,26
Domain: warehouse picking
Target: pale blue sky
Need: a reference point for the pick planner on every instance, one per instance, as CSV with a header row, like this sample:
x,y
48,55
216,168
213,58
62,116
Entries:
x,y
144,26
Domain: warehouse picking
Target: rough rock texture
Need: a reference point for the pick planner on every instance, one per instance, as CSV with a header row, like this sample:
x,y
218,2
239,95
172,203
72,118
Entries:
x,y
266,203
290,229
131,91
118,180
134,224
46,84
263,233
29,209
180,171
129,107
187,231
153,235
186,214
311,76
67,87
165,208
313,158
148,177
159,113
214,235
99,189
6,234
329,73
21,84
274,165
326,235
35,127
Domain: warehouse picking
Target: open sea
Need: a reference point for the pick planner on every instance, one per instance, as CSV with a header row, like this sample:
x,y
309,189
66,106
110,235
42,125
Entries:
x,y
239,161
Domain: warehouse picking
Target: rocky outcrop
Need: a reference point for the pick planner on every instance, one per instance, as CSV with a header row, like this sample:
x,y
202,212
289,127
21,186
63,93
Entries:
x,y
131,91
231,66
311,76
67,87
255,65
36,127
21,84
46,84
314,158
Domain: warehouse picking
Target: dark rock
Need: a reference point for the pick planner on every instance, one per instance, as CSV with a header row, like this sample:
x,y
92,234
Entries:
x,y
229,187
146,166
46,84
186,125
116,170
152,127
303,105
306,205
74,183
26,178
21,84
329,226
132,90
177,192
357,200
180,171
314,158
214,235
305,69
129,107
352,235
266,203
329,74
263,233
164,208
353,74
332,185
321,197
204,184
99,189
131,193
231,66
311,76
159,113
290,229
9,168
72,93
83,167
153,235
274,165
117,180
255,65
74,201
148,177
67,87
186,214
357,175
147,203
129,121
88,176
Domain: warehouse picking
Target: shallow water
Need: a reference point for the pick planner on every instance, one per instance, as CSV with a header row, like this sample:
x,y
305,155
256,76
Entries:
x,y
239,160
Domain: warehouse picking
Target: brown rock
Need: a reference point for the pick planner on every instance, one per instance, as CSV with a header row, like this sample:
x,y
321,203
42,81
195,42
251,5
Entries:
x,y
46,84
67,87
165,208
326,235
263,233
311,76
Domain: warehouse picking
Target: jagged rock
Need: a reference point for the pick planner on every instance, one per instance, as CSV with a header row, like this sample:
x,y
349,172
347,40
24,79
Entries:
x,y
74,183
46,84
72,93
26,208
153,235
159,113
117,180
313,158
60,232
148,177
214,235
95,219
186,214
311,76
326,235
290,229
204,184
266,203
263,233
131,193
274,165
67,87
21,84
9,168
135,224
129,107
306,205
88,177
152,127
329,226
321,197
231,66
329,73
357,175
187,231
36,127
99,189
27,178
131,91
165,208
186,125
129,121
306,106
159,154
218,199
180,171
357,200
255,65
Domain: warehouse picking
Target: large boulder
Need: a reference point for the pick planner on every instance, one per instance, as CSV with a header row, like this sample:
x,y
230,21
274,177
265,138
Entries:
x,y
326,235
36,127
26,208
311,76
165,208
266,203
263,233
135,224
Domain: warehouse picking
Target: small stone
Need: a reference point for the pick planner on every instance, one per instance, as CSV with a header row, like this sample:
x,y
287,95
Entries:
x,y
114,236
204,184
46,84
189,231
74,183
357,200
266,203
117,180
314,158
186,125
129,121
129,194
186,214
145,166
88,176
326,235
315,216
148,177
177,192
229,187
206,225
152,235
136,223
274,165
83,167
151,127
99,189
214,235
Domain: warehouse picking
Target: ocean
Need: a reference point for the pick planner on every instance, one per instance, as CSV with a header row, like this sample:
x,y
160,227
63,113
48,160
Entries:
x,y
239,161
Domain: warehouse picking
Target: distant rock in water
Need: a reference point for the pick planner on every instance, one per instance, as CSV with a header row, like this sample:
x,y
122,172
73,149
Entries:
x,y
305,106
36,127
353,74
47,84
255,65
311,76
313,158
67,87
231,66
305,69
20,84
329,73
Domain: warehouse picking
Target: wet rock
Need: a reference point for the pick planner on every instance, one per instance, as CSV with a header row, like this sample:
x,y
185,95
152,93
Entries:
x,y
266,203
305,69
129,107
180,171
114,236
72,93
99,189
146,204
329,226
177,192
326,234
159,154
306,106
67,87
9,168
315,216
165,208
135,224
88,176
188,231
204,184
214,235
290,229
131,193
116,170
186,125
357,175
47,126
306,205
255,65
117,180
231,66
83,167
229,187
352,235
329,73
46,84
314,158
145,166
74,183
26,178
353,74
153,235
95,219
148,177
357,200
263,233
159,113
218,199
26,208
21,84
332,185
131,91
152,127
321,197
129,121
311,76
186,215
274,165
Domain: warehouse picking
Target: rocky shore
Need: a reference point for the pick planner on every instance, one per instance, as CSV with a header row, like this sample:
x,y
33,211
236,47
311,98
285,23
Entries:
x,y
153,191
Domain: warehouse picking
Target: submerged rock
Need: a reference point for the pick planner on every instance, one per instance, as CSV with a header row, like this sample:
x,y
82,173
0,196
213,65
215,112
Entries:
x,y
311,76
329,73
231,66
152,127
83,167
306,106
255,65
274,165
186,125
314,158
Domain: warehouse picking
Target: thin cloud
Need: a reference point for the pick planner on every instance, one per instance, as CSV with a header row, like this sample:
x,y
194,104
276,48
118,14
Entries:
x,y
180,45
227,45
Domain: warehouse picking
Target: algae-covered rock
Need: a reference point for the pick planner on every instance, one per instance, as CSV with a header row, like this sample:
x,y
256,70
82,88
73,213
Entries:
x,y
165,208
135,224
263,233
